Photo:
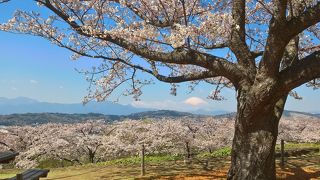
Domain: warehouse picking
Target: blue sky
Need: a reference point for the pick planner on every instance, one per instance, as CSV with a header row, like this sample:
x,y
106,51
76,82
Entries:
x,y
33,67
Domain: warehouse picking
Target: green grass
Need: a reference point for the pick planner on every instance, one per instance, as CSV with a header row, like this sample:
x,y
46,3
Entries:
x,y
295,146
126,168
6,173
137,160
53,163
223,152
169,169
156,165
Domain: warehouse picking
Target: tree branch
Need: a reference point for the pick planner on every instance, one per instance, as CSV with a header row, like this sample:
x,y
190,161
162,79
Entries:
x,y
281,32
238,37
213,46
176,79
309,17
276,41
280,9
185,77
301,72
219,65
154,22
256,54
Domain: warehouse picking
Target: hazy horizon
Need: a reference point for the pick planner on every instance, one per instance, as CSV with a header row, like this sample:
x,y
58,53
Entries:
x,y
139,109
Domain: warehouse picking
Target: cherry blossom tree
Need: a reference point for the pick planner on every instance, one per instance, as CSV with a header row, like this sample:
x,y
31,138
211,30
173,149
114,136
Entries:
x,y
300,131
214,134
7,140
268,49
162,136
178,135
76,143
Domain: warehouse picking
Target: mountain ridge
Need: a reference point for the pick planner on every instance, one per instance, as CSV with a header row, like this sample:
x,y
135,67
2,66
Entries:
x,y
27,105
44,118
21,105
27,111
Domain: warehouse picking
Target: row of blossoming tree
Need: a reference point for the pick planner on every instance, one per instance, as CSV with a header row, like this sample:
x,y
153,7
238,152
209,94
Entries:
x,y
96,141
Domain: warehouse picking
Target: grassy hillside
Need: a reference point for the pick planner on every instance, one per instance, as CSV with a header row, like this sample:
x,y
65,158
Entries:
x,y
204,166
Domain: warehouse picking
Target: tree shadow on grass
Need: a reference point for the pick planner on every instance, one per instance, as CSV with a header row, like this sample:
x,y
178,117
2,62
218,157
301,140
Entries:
x,y
75,175
294,172
188,173
301,174
183,177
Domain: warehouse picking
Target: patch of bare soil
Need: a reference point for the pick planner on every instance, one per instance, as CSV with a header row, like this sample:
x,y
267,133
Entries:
x,y
296,168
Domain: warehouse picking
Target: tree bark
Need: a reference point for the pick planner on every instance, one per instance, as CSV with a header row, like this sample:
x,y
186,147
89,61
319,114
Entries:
x,y
252,156
91,156
188,151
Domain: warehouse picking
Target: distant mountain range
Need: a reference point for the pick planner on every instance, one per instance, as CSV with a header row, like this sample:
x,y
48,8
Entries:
x,y
26,111
26,105
43,118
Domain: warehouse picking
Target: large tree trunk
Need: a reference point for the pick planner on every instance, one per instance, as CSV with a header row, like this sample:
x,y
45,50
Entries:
x,y
252,156
256,127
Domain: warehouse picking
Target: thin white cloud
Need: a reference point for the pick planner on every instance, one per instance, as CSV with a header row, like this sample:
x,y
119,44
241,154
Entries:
x,y
32,81
166,104
195,101
14,88
60,87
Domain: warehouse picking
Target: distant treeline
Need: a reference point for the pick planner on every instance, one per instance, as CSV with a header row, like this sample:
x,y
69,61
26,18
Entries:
x,y
44,118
